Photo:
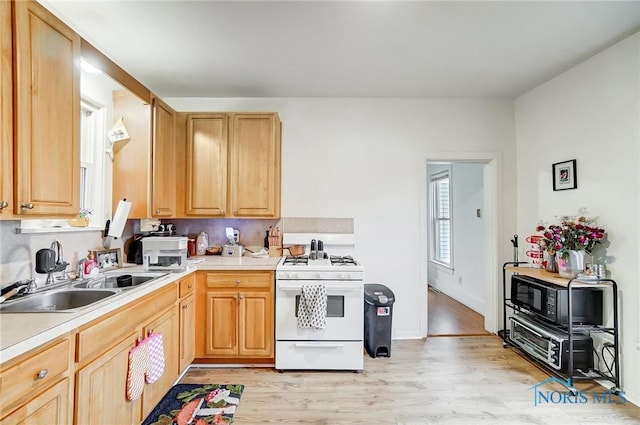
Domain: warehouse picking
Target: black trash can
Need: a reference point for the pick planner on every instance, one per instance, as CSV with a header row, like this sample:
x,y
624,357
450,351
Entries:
x,y
378,312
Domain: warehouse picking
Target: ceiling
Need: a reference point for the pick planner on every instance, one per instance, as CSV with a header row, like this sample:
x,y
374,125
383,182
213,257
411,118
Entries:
x,y
347,48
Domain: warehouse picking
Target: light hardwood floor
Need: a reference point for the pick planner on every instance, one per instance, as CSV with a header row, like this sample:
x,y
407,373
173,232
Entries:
x,y
449,317
468,380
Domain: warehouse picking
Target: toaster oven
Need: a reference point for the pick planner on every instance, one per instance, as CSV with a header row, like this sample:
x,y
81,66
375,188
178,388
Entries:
x,y
550,345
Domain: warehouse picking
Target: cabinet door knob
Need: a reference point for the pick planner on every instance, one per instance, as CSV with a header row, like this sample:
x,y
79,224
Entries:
x,y
28,206
190,285
184,307
237,281
235,297
157,211
3,205
43,373
242,297
221,212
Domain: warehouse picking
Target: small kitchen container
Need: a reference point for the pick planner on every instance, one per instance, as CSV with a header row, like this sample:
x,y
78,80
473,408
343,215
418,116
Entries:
x,y
378,314
165,253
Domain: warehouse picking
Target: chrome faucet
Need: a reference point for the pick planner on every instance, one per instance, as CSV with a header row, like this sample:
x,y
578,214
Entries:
x,y
61,265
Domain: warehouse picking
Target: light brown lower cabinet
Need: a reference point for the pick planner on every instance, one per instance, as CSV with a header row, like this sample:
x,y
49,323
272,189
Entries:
x,y
50,407
167,324
36,388
235,316
101,376
187,345
101,388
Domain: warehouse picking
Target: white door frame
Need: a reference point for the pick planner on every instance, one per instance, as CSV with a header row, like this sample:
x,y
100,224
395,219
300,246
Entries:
x,y
492,202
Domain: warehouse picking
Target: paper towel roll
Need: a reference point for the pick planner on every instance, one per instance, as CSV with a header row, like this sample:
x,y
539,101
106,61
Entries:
x,y
119,219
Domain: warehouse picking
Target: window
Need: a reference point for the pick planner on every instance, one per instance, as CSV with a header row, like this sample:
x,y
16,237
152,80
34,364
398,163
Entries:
x,y
92,131
441,239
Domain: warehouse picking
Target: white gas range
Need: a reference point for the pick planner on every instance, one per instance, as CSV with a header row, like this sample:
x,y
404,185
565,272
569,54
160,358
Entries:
x,y
339,345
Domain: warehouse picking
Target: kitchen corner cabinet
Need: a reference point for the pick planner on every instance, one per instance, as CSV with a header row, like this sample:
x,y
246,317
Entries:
x,y
167,324
36,387
235,316
6,112
187,308
132,158
144,165
233,165
46,114
163,167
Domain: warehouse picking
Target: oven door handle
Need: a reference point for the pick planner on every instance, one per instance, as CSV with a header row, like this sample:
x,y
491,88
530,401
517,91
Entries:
x,y
298,288
318,345
530,329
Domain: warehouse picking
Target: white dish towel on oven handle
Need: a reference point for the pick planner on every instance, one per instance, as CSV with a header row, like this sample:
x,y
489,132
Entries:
x,y
155,348
312,308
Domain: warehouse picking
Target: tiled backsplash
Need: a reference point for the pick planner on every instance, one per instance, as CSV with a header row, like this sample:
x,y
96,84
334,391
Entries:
x,y
17,251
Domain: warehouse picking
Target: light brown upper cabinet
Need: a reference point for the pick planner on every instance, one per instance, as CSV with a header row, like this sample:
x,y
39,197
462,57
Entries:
x,y
207,146
47,113
233,165
163,168
132,157
144,165
6,113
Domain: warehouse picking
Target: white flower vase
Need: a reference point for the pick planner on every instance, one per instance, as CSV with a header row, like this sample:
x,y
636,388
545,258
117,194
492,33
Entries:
x,y
573,265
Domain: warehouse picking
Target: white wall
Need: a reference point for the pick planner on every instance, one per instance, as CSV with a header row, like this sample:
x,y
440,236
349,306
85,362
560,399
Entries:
x,y
591,113
465,282
366,159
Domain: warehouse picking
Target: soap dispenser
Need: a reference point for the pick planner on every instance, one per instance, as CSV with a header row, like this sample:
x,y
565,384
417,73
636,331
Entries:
x,y
90,264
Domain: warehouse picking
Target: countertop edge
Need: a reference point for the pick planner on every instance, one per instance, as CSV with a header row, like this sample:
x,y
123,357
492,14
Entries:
x,y
63,323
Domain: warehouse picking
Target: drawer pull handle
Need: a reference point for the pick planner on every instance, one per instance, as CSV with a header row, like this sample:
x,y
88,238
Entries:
x,y
237,281
43,374
28,206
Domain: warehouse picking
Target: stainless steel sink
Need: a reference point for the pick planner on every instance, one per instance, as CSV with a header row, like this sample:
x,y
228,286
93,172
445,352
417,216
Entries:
x,y
61,301
110,281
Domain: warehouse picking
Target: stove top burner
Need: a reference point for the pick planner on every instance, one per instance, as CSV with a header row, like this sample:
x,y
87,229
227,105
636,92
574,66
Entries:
x,y
346,260
296,260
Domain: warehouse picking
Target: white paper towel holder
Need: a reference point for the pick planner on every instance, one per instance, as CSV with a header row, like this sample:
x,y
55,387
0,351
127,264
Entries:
x,y
115,228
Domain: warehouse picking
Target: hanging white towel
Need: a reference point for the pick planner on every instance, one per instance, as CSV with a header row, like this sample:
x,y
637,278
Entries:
x,y
312,308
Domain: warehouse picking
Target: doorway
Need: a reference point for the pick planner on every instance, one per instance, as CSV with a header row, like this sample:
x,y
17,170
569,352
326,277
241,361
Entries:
x,y
458,293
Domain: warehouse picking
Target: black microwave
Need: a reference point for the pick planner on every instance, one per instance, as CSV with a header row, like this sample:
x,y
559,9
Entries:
x,y
550,302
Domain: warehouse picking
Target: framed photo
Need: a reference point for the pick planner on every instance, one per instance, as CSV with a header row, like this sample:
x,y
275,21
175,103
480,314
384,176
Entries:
x,y
108,259
564,175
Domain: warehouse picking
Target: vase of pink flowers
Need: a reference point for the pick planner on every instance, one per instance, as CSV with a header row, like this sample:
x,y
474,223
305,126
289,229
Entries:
x,y
570,241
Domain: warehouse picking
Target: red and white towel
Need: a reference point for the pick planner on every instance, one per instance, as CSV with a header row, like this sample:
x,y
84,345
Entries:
x,y
155,367
146,364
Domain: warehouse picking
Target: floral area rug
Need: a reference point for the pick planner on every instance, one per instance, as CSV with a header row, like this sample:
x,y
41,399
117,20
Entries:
x,y
197,404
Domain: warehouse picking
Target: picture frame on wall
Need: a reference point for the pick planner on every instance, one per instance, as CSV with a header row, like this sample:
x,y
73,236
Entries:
x,y
108,259
564,175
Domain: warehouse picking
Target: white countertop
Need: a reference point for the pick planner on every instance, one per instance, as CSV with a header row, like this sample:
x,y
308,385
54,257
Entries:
x,y
21,332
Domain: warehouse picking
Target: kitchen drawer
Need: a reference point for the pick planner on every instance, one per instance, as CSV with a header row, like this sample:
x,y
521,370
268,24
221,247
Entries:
x,y
316,355
33,373
106,331
187,285
233,279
